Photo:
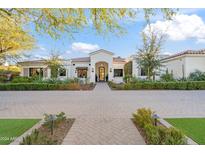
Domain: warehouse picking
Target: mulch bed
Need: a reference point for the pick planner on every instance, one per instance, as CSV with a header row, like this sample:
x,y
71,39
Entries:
x,y
87,87
59,132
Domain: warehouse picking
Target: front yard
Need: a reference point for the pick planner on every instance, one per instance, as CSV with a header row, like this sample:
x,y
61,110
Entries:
x,y
52,131
12,128
192,127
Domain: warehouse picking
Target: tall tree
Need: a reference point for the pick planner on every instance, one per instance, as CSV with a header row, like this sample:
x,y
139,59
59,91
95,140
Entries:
x,y
148,54
13,39
54,63
54,21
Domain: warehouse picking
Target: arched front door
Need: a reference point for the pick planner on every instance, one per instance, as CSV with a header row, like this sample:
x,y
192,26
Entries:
x,y
101,73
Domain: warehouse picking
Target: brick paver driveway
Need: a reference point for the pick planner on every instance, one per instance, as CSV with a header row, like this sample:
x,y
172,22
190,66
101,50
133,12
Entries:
x,y
102,116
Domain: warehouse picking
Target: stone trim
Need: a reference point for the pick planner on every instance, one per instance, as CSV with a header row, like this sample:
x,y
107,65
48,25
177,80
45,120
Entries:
x,y
168,125
18,140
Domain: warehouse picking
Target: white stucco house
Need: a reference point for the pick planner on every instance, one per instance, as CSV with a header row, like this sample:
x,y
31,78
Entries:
x,y
184,63
102,65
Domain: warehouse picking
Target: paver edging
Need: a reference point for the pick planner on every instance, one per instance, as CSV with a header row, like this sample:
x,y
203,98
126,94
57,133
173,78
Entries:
x,y
168,125
18,140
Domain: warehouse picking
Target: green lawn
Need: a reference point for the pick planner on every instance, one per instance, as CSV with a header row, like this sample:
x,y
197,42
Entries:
x,y
11,128
192,127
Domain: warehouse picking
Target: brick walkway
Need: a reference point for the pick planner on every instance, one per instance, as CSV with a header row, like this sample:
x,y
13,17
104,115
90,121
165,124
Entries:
x,y
101,129
102,114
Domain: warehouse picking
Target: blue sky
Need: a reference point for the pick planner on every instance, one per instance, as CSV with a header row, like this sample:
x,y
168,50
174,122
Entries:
x,y
186,32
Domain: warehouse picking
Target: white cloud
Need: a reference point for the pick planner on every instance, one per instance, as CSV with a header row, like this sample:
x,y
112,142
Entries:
x,y
84,47
167,53
42,48
200,41
182,27
68,52
38,56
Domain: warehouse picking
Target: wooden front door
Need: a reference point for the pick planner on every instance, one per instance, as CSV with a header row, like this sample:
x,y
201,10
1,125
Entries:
x,y
101,73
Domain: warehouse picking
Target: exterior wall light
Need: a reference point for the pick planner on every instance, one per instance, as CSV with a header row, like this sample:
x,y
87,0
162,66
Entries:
x,y
155,117
52,118
110,69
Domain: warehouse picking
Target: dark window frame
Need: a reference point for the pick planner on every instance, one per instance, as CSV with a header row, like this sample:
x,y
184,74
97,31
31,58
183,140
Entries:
x,y
62,72
142,72
118,72
33,71
82,72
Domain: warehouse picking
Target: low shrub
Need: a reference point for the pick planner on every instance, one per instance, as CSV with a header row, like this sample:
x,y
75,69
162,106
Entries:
x,y
167,77
28,86
3,79
152,134
44,86
131,79
51,132
196,85
174,137
143,117
73,86
113,85
158,135
37,79
174,85
53,121
37,138
127,78
197,76
21,79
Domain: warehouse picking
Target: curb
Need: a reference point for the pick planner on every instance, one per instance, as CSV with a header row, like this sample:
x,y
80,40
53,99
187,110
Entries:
x,y
168,125
28,132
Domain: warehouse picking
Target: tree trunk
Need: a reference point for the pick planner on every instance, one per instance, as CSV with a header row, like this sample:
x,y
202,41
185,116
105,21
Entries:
x,y
148,73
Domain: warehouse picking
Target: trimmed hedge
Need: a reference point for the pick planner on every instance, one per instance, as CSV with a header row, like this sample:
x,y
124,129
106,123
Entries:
x,y
157,135
22,79
43,86
28,86
185,85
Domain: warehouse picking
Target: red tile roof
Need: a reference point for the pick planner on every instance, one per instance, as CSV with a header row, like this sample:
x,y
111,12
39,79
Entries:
x,y
192,52
101,50
119,60
32,61
81,59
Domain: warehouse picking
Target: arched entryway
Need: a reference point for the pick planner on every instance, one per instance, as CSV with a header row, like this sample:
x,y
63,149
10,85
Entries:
x,y
101,73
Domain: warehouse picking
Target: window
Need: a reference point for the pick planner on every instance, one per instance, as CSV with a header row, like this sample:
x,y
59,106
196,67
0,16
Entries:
x,y
142,73
118,72
36,72
82,72
62,72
